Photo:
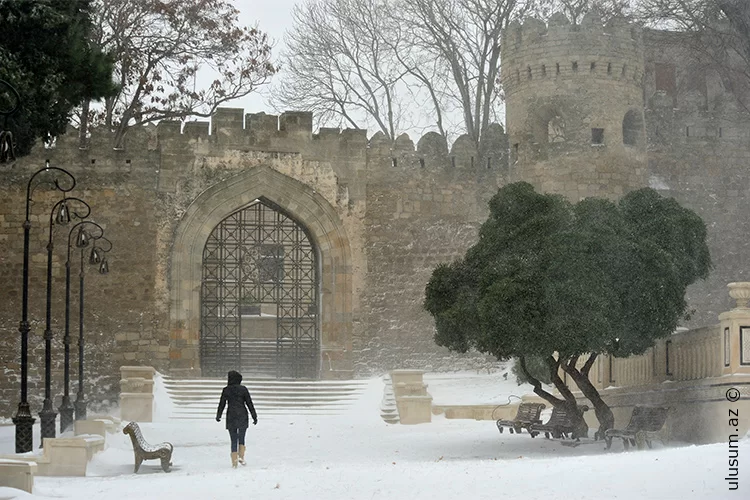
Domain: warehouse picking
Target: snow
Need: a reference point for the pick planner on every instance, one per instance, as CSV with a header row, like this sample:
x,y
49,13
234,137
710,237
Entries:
x,y
358,456
473,388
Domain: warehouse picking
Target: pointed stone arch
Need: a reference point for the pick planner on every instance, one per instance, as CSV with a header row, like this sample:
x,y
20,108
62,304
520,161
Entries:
x,y
328,235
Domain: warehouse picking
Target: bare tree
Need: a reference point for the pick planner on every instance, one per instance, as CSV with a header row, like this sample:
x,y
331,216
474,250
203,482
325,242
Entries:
x,y
339,64
716,34
398,61
464,36
159,46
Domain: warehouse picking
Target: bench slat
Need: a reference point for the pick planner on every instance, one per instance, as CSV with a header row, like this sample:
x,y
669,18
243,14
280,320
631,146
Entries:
x,y
144,451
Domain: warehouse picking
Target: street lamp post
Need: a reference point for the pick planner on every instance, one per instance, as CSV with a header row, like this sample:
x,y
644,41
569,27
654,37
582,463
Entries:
x,y
95,258
82,241
61,215
23,419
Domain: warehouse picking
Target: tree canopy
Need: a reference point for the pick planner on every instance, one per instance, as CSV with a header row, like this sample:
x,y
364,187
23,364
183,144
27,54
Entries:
x,y
557,280
159,46
45,54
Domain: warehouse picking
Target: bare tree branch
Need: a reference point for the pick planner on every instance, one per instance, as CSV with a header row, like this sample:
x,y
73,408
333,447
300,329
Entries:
x,y
159,46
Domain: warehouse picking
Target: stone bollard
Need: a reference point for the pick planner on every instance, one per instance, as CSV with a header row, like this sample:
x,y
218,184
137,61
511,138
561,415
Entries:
x,y
137,393
412,400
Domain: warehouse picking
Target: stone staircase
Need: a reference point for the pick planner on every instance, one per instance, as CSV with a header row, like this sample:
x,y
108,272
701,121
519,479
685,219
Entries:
x,y
199,398
388,408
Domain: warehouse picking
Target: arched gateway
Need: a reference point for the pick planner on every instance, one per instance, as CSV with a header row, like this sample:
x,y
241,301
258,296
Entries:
x,y
259,296
261,280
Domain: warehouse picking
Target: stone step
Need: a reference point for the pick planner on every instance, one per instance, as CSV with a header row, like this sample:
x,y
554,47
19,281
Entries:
x,y
265,401
198,398
267,389
267,382
269,413
275,404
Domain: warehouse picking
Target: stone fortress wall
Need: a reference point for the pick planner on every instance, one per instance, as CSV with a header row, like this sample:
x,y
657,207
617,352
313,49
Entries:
x,y
384,214
394,213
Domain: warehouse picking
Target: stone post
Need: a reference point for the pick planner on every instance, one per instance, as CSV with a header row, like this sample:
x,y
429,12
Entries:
x,y
735,332
137,393
412,400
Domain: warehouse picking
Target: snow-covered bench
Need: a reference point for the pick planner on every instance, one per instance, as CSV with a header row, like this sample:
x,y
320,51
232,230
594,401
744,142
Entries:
x,y
527,414
645,425
144,451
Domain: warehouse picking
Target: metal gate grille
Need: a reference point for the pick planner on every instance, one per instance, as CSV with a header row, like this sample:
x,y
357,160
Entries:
x,y
259,296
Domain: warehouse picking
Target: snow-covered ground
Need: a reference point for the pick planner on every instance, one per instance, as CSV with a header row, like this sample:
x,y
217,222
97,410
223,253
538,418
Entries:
x,y
476,388
358,456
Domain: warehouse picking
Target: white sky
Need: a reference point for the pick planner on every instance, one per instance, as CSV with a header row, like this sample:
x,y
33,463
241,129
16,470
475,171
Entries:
x,y
273,17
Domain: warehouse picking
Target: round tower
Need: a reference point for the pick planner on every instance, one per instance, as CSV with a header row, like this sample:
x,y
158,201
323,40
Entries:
x,y
574,106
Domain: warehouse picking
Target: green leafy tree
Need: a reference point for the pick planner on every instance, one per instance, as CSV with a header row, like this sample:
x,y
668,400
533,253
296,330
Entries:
x,y
536,366
567,282
45,54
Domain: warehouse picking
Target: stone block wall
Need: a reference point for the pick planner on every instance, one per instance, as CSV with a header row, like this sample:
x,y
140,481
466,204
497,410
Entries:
x,y
698,153
121,324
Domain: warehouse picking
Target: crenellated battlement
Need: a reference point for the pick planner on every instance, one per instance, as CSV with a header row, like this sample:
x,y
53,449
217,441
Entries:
x,y
172,149
558,50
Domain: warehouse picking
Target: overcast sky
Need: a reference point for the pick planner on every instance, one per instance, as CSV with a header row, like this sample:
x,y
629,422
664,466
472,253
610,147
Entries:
x,y
273,17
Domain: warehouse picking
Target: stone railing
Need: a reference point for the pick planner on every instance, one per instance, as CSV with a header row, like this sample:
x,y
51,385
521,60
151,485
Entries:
x,y
701,353
137,393
686,355
694,372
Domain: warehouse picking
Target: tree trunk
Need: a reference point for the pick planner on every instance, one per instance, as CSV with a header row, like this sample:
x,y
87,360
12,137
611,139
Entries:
x,y
538,389
580,428
83,131
581,377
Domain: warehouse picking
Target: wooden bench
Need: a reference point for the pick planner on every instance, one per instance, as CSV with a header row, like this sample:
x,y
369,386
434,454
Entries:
x,y
560,424
144,451
527,414
645,425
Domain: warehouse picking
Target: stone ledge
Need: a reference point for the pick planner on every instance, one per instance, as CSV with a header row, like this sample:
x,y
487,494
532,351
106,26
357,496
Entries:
x,y
137,385
136,407
146,372
476,412
414,409
18,474
63,456
97,426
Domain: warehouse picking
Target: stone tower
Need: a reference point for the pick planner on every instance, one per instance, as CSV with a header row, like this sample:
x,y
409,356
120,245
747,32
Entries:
x,y
574,106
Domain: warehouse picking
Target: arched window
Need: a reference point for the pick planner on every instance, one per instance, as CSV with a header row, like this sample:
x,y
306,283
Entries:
x,y
548,125
632,128
556,129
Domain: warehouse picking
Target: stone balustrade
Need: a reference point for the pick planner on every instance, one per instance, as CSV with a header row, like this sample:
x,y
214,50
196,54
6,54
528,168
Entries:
x,y
698,354
691,371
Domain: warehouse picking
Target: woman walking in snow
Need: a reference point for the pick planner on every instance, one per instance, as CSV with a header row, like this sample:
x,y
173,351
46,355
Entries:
x,y
237,423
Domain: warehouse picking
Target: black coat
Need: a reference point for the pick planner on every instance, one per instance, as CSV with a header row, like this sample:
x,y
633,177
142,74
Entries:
x,y
237,397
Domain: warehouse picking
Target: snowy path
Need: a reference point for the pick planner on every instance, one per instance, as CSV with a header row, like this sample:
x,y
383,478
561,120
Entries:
x,y
358,456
